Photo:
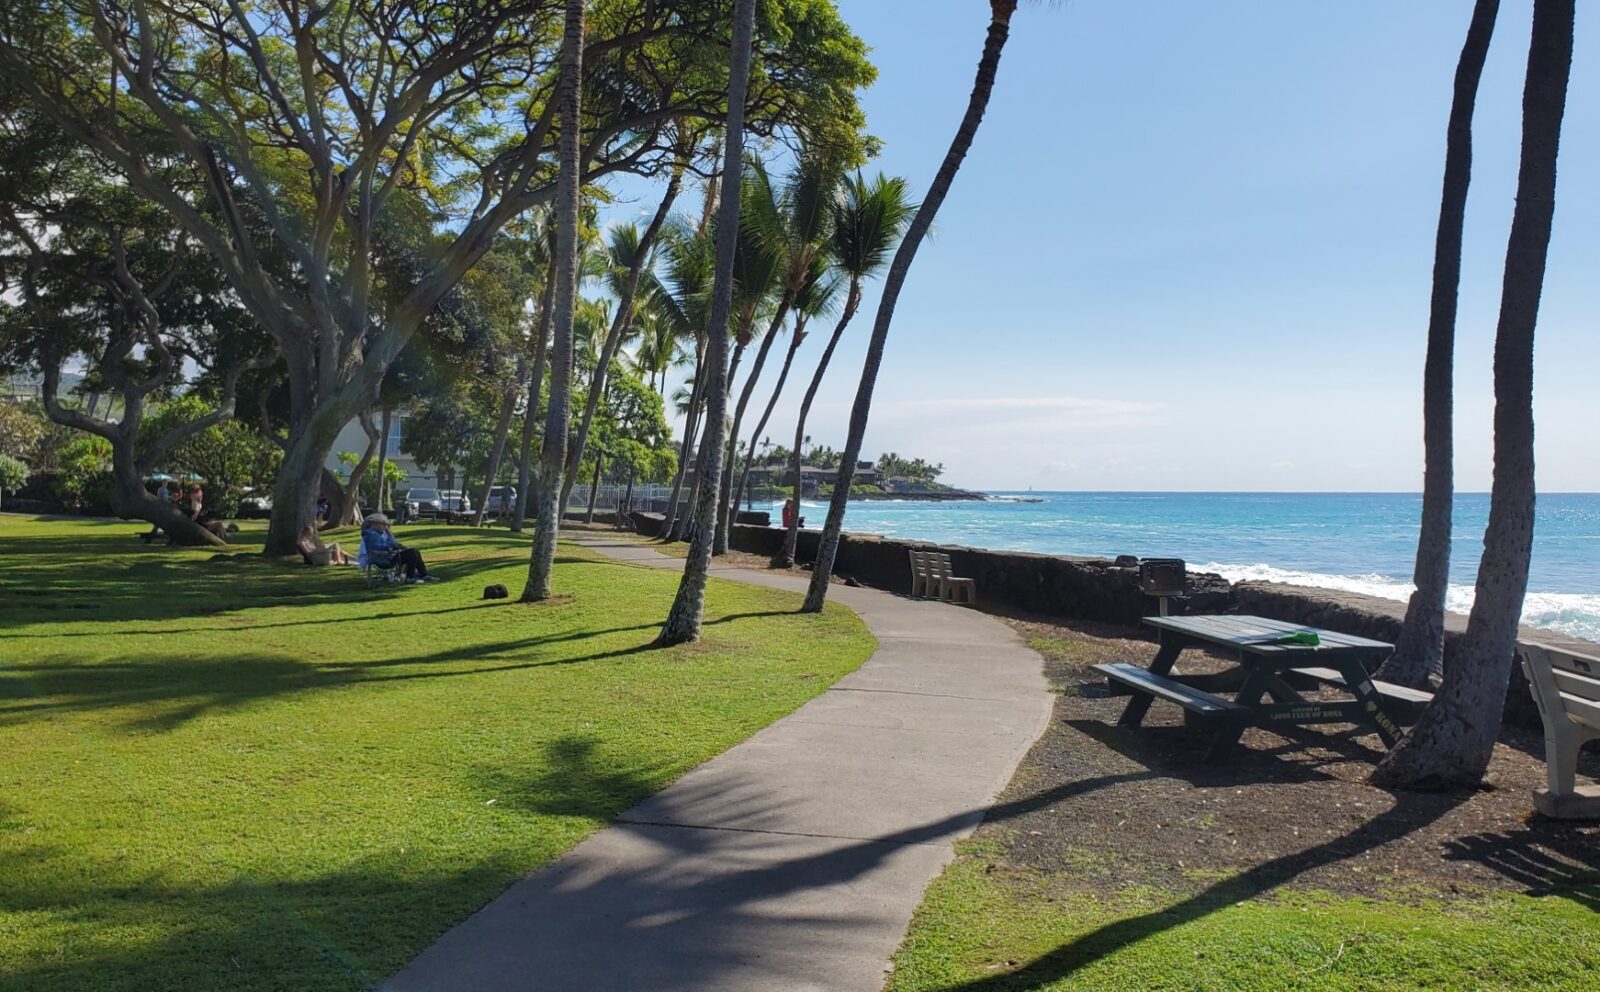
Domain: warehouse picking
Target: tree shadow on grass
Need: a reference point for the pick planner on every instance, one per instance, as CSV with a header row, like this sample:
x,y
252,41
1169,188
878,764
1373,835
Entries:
x,y
1546,862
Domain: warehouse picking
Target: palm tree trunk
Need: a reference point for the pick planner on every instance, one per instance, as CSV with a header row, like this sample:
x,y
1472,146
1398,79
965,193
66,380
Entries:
x,y
999,28
619,327
1452,743
686,446
795,340
727,507
553,452
594,489
791,538
683,620
1419,652
502,431
541,349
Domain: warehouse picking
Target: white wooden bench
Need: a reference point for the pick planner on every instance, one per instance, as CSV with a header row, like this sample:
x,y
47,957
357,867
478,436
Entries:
x,y
1566,686
931,577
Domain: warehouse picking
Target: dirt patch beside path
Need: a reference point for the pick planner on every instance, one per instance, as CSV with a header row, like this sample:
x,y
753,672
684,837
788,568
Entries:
x,y
1118,807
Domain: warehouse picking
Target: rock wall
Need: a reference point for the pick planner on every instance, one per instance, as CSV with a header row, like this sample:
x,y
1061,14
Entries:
x,y
1102,590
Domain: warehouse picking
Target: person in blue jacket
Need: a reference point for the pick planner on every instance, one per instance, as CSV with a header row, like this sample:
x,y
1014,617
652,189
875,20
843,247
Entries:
x,y
379,547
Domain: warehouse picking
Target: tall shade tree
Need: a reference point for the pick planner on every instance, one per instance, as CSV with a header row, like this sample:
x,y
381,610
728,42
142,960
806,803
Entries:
x,y
1453,741
302,121
1000,12
688,606
870,217
1420,649
569,182
94,276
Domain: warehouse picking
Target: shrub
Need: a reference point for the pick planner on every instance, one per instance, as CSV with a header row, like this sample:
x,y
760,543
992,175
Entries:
x,y
13,473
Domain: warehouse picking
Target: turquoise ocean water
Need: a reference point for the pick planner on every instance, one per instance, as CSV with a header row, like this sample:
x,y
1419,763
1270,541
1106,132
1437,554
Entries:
x,y
1364,542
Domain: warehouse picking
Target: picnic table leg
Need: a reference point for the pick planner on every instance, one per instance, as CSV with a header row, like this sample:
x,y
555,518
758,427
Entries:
x,y
1360,685
1161,664
1255,685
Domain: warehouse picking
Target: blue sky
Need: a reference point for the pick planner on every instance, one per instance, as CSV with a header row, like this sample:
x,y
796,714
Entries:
x,y
1191,247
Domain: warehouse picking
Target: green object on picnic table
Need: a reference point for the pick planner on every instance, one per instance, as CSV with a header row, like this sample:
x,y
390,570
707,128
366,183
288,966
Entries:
x,y
1306,637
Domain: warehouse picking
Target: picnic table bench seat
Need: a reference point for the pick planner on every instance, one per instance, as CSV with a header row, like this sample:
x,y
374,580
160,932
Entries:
x,y
1408,700
1170,689
1566,687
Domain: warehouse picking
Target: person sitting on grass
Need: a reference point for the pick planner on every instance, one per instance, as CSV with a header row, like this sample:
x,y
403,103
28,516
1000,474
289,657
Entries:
x,y
379,548
316,553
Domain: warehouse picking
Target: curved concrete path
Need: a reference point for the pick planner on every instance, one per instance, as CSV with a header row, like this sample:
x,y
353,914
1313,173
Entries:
x,y
793,861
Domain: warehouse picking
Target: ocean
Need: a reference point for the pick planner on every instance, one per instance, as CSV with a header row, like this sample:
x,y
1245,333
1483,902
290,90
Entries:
x,y
1362,542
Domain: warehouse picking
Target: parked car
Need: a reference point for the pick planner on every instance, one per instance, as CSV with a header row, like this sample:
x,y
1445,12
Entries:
x,y
502,500
419,503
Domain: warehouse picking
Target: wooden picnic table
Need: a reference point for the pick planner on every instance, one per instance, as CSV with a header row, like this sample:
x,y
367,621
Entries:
x,y
1268,663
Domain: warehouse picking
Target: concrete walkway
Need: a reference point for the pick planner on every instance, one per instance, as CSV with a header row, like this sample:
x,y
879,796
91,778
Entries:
x,y
794,860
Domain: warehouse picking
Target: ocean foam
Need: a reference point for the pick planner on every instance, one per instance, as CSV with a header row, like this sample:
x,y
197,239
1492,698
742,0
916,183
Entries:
x,y
1570,613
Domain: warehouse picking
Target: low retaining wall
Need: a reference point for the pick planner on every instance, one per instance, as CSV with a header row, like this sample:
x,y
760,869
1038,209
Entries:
x,y
1100,590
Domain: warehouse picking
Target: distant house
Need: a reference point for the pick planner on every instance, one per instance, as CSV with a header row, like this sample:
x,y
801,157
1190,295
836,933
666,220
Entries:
x,y
352,438
813,476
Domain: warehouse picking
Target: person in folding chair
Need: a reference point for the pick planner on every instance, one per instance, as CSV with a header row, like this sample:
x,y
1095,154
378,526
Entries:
x,y
380,550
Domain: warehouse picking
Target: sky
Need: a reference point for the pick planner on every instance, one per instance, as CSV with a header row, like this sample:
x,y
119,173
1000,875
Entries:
x,y
1192,245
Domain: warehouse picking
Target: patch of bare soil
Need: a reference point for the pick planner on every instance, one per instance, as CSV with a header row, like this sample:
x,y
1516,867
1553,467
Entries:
x,y
1121,806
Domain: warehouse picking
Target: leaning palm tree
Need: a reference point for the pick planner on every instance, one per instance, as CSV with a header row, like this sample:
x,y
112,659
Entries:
x,y
1420,649
683,301
1000,12
793,223
683,620
870,216
1451,744
569,180
818,296
630,255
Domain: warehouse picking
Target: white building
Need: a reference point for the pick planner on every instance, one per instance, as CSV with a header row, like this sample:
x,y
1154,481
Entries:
x,y
354,440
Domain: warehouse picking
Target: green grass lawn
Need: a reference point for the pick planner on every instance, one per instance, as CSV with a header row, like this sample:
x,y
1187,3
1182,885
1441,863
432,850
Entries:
x,y
984,928
242,775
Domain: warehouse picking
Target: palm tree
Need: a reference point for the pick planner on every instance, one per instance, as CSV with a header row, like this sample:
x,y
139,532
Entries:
x,y
1420,649
818,296
1000,12
553,451
630,254
869,218
793,224
683,302
683,620
1453,741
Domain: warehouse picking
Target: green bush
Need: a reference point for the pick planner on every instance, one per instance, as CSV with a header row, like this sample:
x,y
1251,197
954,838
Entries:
x,y
84,479
13,473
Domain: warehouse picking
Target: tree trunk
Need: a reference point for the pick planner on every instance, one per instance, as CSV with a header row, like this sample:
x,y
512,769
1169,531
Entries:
x,y
999,28
686,447
1452,743
344,500
132,501
619,329
795,340
791,537
541,333
683,620
294,492
385,422
594,488
502,431
626,506
728,507
553,454
1419,652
